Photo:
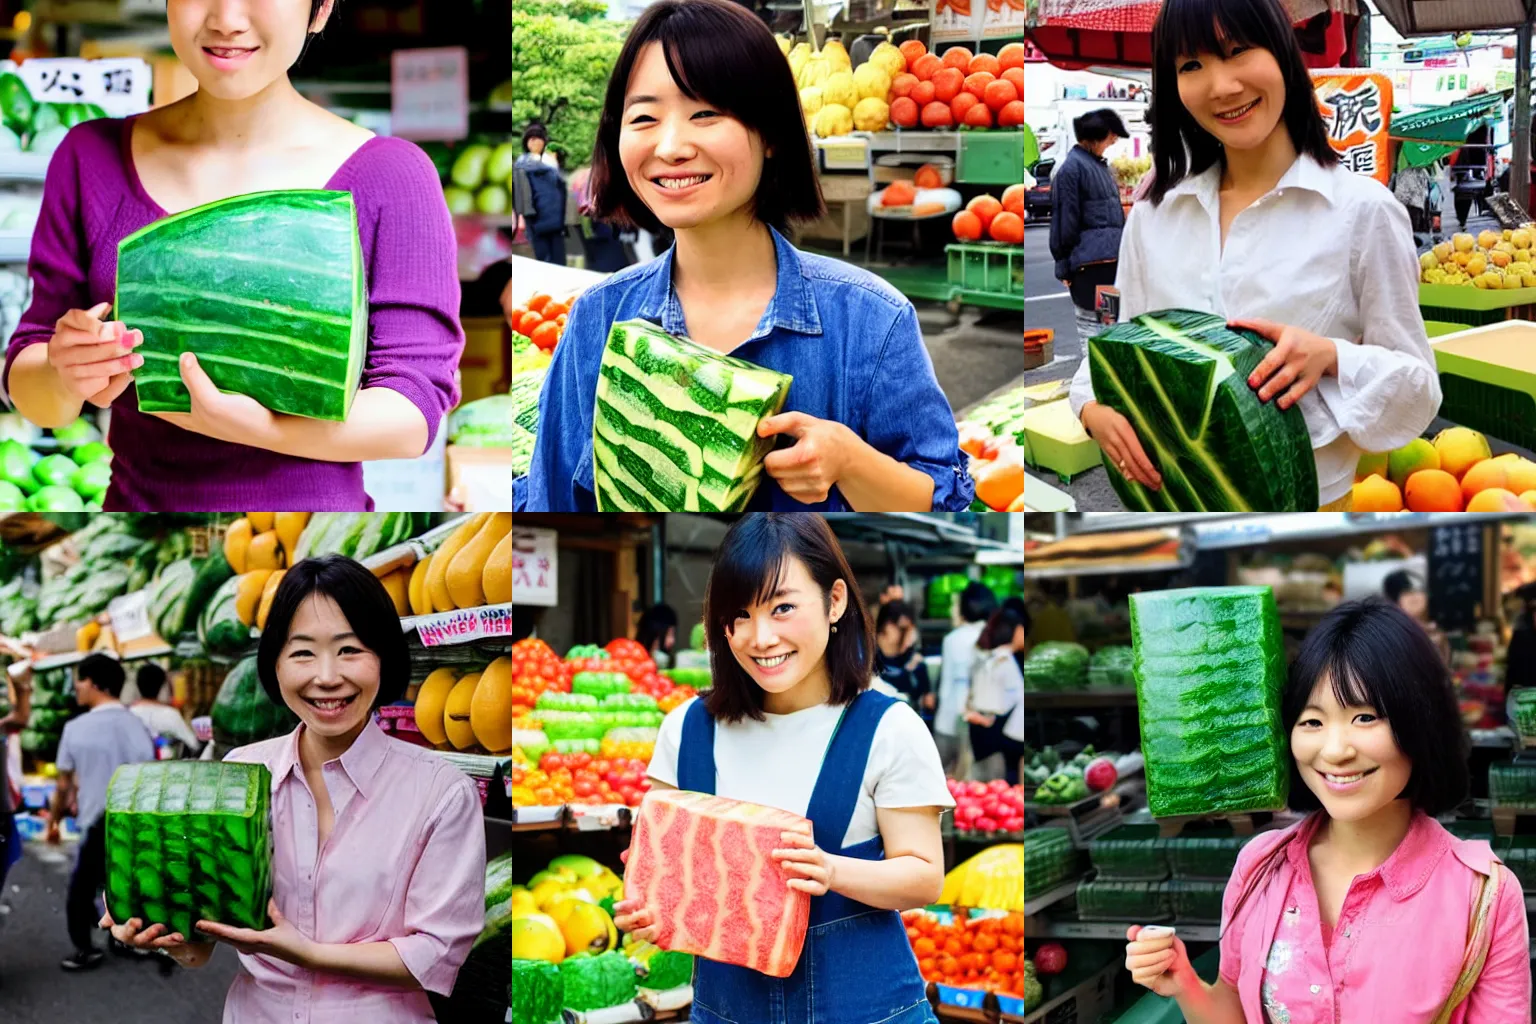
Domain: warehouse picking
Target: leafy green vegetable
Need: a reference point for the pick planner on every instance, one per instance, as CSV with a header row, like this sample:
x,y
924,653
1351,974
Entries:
x,y
593,982
1210,666
538,992
1181,378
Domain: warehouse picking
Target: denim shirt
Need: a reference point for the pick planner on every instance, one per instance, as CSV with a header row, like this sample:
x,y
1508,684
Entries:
x,y
849,339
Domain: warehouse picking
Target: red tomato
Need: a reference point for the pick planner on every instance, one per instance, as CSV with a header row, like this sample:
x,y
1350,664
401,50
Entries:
x,y
550,761
957,57
581,760
961,104
978,116
985,62
585,787
977,81
947,83
922,93
937,115
998,94
967,226
1012,115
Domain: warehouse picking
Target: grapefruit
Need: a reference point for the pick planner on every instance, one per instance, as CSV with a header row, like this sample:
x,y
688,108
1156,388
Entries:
x,y
999,94
947,83
957,57
1010,56
912,49
925,66
985,208
937,115
904,112
977,81
1012,115
922,94
985,62
1013,199
961,104
903,84
977,116
967,226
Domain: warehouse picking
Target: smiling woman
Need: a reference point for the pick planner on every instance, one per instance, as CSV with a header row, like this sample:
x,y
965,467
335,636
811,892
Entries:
x,y
701,131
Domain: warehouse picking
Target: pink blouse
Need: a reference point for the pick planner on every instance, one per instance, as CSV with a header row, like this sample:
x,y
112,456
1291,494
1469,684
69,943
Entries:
x,y
404,863
1398,943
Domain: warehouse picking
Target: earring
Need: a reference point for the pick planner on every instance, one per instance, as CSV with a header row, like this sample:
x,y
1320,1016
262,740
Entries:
x,y
834,627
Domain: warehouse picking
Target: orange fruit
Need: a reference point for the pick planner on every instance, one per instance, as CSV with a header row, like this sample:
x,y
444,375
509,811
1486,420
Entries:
x,y
922,94
957,57
904,115
538,302
903,84
1496,499
1013,199
912,49
925,66
999,94
1016,76
986,62
985,207
554,310
1007,227
966,226
1010,56
527,322
978,116
977,81
1376,494
924,947
947,83
961,105
546,335
1481,476
1432,490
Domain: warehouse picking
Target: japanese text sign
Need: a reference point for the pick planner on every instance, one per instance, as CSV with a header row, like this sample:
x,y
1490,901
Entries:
x,y
1356,108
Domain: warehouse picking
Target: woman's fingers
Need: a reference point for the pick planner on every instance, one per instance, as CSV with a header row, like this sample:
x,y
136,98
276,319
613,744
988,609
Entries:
x,y
169,941
1161,961
1140,467
1282,379
1301,387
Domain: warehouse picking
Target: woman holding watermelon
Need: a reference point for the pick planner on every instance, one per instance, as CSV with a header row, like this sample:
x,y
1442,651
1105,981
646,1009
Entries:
x,y
246,129
1316,916
1252,216
792,723
701,132
378,857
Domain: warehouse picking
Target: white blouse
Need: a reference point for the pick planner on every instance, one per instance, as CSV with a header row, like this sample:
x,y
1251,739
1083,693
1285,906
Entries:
x,y
1327,250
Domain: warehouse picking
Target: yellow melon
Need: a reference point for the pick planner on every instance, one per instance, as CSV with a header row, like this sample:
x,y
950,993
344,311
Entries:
x,y
398,586
467,567
248,594
456,711
236,540
430,702
268,591
442,558
496,579
490,712
416,592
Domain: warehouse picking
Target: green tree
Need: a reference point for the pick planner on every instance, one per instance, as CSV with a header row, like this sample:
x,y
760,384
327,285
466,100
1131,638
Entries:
x,y
563,52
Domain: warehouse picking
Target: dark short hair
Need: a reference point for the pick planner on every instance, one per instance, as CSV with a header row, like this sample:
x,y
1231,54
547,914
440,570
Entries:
x,y
747,571
654,623
1098,125
103,672
977,602
891,613
719,53
534,131
368,608
1398,583
1185,27
1017,604
1374,655
149,679
1000,628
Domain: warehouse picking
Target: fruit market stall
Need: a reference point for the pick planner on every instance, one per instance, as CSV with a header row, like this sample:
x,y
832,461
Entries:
x,y
1112,840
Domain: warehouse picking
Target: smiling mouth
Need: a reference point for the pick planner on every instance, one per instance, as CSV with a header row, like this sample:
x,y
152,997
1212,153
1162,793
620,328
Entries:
x,y
775,661
1232,115
230,51
1344,780
330,703
675,183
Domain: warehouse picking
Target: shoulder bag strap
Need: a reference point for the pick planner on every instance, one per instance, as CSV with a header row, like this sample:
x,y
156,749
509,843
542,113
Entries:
x,y
1479,940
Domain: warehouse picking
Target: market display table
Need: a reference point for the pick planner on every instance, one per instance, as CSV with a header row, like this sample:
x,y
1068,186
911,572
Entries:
x,y
1488,378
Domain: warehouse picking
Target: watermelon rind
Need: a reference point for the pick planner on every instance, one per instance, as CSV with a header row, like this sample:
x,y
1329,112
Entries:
x,y
1181,378
675,424
267,289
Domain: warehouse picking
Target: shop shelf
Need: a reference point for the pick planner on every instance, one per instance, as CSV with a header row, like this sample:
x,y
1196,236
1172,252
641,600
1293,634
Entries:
x,y
1142,902
1204,857
1519,854
1049,860
1195,902
1488,379
1130,853
1474,307
1512,785
987,268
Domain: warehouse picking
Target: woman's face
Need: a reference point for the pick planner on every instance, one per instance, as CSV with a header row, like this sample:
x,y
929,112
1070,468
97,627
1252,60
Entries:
x,y
1348,756
327,676
236,48
1237,97
780,641
689,163
535,145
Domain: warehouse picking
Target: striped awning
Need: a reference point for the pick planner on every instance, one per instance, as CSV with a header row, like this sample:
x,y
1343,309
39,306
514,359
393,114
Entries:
x,y
1435,17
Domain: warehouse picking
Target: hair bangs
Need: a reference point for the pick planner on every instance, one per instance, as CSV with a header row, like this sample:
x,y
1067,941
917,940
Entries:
x,y
1212,26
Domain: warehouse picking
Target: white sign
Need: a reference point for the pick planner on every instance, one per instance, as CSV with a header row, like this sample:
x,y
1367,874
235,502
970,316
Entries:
x,y
130,616
429,93
534,566
465,625
118,85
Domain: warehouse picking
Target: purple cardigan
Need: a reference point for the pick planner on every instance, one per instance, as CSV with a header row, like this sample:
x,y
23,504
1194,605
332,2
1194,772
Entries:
x,y
93,198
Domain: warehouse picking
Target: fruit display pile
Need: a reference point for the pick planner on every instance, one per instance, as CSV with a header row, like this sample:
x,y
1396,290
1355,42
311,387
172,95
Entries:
x,y
1129,170
53,704
476,174
1492,260
987,217
566,952
907,87
542,320
1066,780
34,127
470,568
584,726
987,809
74,479
992,434
975,951
470,710
1456,472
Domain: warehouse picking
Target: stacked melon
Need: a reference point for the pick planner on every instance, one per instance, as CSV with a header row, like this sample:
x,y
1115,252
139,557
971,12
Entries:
x,y
258,546
462,712
473,567
675,427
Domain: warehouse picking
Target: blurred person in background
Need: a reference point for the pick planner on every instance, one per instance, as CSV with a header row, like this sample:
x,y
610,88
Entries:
x,y
19,696
975,607
159,717
898,660
995,708
657,633
538,193
1405,590
1087,217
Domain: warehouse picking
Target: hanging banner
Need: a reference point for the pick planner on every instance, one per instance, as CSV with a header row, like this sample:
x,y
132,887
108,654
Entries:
x,y
1357,108
535,572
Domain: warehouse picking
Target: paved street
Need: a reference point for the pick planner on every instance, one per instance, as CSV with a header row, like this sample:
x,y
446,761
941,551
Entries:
x,y
1047,304
34,990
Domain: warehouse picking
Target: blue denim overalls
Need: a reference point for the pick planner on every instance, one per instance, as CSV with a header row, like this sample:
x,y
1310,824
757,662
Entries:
x,y
857,966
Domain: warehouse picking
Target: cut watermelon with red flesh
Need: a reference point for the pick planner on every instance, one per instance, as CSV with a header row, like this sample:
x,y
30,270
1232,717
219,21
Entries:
x,y
703,865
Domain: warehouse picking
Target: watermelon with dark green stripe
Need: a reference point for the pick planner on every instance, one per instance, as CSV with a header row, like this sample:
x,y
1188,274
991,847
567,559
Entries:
x,y
675,427
266,289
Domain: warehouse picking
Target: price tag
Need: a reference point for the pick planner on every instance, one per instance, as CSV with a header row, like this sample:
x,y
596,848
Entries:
x,y
130,616
118,85
465,625
429,93
842,155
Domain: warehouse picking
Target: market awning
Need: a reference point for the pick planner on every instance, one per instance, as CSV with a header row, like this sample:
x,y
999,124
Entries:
x,y
1081,34
1431,17
1436,133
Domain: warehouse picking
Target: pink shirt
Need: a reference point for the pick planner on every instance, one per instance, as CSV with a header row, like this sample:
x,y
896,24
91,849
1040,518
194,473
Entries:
x,y
404,863
1397,945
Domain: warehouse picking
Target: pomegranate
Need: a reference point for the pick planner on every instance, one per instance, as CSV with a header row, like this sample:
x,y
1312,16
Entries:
x,y
1051,958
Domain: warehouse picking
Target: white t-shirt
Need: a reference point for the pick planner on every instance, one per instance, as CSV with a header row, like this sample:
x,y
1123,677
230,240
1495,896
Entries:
x,y
776,762
959,650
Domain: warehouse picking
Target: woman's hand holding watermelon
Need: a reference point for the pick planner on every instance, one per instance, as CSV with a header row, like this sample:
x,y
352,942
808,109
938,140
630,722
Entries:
x,y
1118,440
631,918
283,940
1294,366
93,358
133,933
811,869
239,419
808,470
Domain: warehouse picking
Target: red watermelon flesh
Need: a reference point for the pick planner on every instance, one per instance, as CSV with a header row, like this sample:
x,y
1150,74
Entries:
x,y
703,866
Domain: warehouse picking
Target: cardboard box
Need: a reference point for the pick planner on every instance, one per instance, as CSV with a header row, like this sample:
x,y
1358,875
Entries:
x,y
839,187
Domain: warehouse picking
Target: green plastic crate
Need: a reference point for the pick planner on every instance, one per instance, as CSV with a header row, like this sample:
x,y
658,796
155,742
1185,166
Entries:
x,y
1195,902
1474,307
1130,853
1481,393
1438,328
987,268
1204,857
189,840
1049,860
1141,902
990,158
1512,785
